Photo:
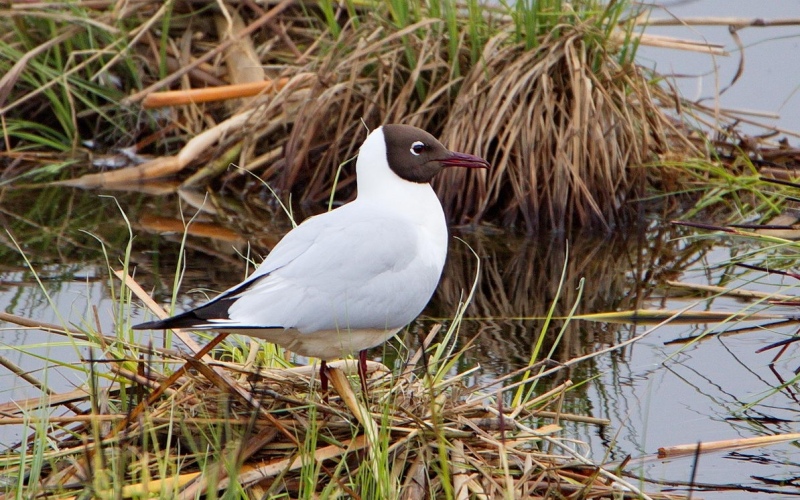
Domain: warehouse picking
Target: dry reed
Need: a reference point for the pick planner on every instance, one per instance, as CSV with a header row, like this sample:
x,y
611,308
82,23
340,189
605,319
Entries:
x,y
567,123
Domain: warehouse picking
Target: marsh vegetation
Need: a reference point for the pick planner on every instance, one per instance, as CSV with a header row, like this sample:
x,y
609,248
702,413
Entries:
x,y
236,108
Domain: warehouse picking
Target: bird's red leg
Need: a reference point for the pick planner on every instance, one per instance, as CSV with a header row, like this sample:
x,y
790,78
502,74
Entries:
x,y
323,377
362,370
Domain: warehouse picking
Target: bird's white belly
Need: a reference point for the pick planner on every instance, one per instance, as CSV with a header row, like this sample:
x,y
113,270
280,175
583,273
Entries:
x,y
325,344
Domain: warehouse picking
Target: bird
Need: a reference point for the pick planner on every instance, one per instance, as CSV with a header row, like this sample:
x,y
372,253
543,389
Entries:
x,y
349,279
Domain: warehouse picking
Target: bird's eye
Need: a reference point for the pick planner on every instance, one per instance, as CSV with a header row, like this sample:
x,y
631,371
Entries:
x,y
417,147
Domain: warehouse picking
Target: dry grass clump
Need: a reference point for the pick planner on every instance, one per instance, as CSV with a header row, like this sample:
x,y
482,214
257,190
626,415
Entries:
x,y
566,126
545,91
232,428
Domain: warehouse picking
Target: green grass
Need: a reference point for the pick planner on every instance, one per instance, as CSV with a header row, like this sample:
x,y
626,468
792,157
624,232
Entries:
x,y
76,70
201,427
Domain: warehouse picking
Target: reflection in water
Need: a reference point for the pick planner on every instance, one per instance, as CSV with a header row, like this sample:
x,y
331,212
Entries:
x,y
521,278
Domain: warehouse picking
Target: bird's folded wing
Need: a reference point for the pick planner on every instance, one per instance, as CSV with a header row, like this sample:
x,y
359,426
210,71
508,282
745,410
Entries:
x,y
336,280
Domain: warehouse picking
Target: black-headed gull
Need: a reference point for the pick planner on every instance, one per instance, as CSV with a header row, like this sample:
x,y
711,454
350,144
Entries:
x,y
349,279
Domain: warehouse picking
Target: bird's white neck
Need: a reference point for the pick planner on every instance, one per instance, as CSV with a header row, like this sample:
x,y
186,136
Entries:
x,y
377,182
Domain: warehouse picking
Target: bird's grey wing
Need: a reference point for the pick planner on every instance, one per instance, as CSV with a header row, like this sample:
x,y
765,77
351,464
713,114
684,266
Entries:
x,y
210,314
354,271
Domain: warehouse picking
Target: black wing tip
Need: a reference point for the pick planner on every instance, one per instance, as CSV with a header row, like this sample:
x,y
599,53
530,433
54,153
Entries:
x,y
216,309
186,320
189,321
162,324
150,325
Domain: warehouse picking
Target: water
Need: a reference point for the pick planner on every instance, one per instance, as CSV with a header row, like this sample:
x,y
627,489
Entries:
x,y
695,393
654,394
769,82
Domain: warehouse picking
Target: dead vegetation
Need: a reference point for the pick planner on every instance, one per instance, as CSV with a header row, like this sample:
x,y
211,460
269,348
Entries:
x,y
230,426
551,96
567,119
566,127
562,111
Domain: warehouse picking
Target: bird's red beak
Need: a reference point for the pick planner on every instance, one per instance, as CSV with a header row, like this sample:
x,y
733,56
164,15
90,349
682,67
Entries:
x,y
464,160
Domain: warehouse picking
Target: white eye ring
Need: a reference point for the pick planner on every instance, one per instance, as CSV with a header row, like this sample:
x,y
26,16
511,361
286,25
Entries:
x,y
415,145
